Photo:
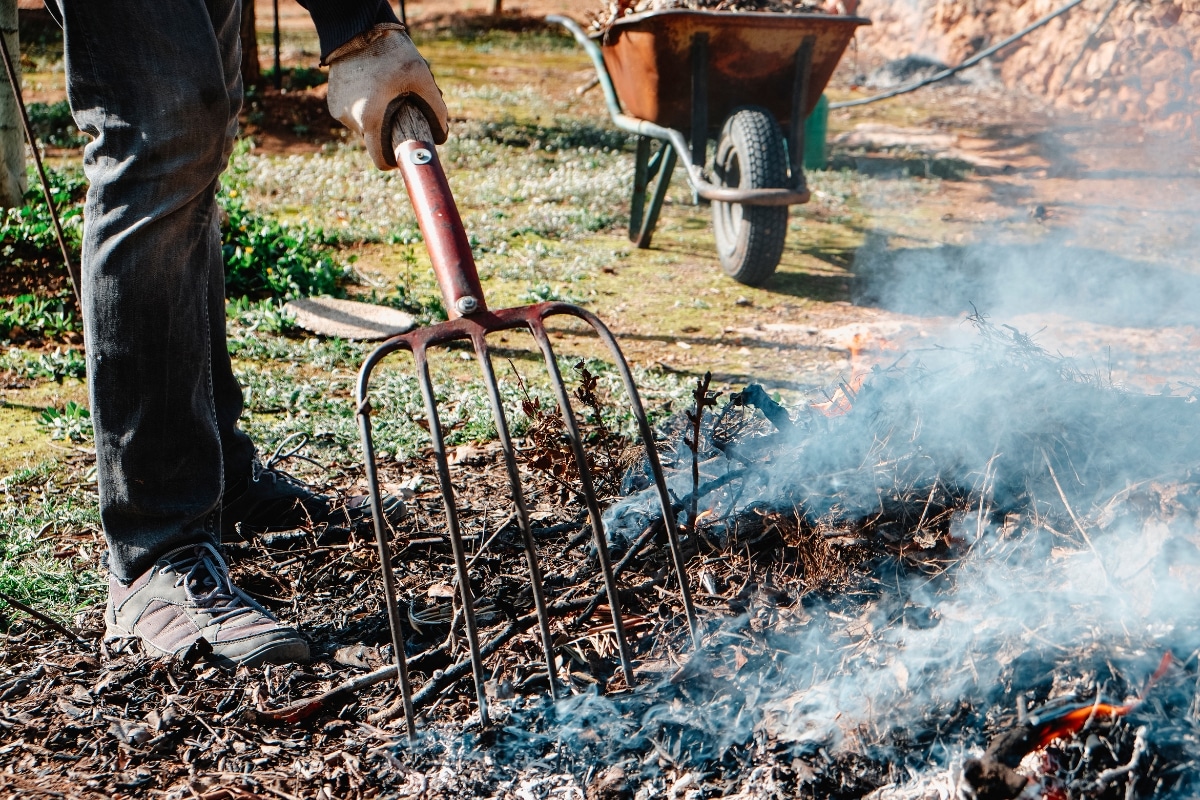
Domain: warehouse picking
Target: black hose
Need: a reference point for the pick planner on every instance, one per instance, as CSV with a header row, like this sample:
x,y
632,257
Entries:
x,y
970,62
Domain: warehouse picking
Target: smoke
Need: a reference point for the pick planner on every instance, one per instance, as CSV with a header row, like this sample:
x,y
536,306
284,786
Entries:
x,y
1010,280
911,669
1072,561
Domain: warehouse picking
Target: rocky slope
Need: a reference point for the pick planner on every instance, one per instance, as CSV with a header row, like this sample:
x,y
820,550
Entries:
x,y
1134,60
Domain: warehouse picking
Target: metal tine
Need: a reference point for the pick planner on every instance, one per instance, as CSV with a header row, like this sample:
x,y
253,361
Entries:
x,y
483,353
385,560
538,329
660,480
452,527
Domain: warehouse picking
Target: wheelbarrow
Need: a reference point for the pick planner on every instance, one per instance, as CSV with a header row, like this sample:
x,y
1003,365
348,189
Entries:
x,y
667,75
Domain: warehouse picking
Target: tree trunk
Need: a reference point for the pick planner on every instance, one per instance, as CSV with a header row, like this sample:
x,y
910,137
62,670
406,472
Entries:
x,y
251,71
497,7
12,138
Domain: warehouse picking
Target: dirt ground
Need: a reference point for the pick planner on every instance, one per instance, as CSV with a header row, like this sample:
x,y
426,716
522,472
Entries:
x,y
1078,191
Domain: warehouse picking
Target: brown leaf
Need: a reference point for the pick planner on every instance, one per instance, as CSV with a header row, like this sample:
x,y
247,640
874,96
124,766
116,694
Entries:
x,y
358,655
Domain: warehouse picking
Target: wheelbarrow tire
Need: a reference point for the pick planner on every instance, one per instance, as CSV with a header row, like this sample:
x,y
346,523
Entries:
x,y
750,155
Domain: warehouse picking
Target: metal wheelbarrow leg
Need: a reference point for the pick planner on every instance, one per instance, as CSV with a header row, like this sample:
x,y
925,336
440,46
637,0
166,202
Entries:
x,y
471,320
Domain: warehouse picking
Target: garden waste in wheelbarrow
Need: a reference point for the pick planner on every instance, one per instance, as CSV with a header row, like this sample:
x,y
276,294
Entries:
x,y
471,321
747,78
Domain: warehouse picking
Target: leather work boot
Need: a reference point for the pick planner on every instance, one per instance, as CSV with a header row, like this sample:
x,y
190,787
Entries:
x,y
187,595
269,499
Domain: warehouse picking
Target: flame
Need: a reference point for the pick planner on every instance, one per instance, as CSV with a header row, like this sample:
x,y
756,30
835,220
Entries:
x,y
858,344
842,399
1073,721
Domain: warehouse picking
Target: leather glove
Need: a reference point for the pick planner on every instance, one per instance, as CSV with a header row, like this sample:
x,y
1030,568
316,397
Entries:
x,y
369,74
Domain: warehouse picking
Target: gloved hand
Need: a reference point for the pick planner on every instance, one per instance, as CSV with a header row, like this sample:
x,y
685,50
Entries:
x,y
371,71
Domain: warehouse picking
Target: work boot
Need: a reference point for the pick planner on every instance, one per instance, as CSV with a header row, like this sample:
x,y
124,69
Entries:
x,y
269,499
186,596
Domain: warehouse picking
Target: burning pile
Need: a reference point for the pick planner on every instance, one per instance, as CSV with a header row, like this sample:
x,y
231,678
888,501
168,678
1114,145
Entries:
x,y
974,572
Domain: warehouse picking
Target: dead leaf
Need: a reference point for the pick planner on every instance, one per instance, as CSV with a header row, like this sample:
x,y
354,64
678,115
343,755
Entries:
x,y
358,655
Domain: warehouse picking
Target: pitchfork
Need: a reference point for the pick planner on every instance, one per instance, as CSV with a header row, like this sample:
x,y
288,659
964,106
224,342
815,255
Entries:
x,y
470,319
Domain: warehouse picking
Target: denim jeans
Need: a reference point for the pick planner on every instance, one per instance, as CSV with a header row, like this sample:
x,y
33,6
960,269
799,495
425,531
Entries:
x,y
158,86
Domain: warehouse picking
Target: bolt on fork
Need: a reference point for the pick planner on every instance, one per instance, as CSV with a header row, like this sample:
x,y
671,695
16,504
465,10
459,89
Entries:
x,y
471,320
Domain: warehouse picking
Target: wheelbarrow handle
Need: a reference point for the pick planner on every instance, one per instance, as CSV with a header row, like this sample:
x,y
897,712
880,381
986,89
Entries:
x,y
437,215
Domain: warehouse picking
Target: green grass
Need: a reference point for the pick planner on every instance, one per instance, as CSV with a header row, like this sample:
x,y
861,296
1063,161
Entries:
x,y
48,536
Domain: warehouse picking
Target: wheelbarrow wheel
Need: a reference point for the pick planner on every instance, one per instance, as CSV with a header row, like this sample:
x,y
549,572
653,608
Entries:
x,y
750,155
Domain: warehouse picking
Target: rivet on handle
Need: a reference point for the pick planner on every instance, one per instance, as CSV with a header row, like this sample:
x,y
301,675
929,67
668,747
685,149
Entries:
x,y
421,156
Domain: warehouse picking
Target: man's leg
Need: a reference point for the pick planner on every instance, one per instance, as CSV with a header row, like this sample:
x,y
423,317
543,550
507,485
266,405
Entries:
x,y
156,85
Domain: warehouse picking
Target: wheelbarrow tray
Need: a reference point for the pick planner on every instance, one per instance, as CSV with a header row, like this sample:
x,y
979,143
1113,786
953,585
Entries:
x,y
752,60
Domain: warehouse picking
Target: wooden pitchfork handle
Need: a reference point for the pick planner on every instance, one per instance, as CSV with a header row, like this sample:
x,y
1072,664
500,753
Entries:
x,y
437,215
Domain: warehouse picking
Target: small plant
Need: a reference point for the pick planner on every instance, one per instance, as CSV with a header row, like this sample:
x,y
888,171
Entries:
x,y
27,233
53,124
295,78
30,315
268,258
267,316
73,422
545,292
56,366
426,309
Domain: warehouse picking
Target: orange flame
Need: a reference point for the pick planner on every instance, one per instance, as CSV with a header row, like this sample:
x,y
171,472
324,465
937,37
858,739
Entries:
x,y
842,399
1074,720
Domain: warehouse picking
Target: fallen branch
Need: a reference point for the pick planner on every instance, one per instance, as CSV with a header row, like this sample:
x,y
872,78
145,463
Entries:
x,y
46,620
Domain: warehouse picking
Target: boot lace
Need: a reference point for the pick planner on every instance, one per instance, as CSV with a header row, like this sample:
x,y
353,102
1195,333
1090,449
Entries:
x,y
287,449
205,581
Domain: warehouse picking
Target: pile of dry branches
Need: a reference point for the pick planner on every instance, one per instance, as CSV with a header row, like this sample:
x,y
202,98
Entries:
x,y
835,553
603,18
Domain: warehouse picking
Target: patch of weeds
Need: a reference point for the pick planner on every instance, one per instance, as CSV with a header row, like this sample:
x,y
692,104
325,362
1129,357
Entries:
x,y
72,422
30,315
563,134
267,316
53,124
56,366
268,258
545,292
27,232
311,351
295,79
50,522
280,402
